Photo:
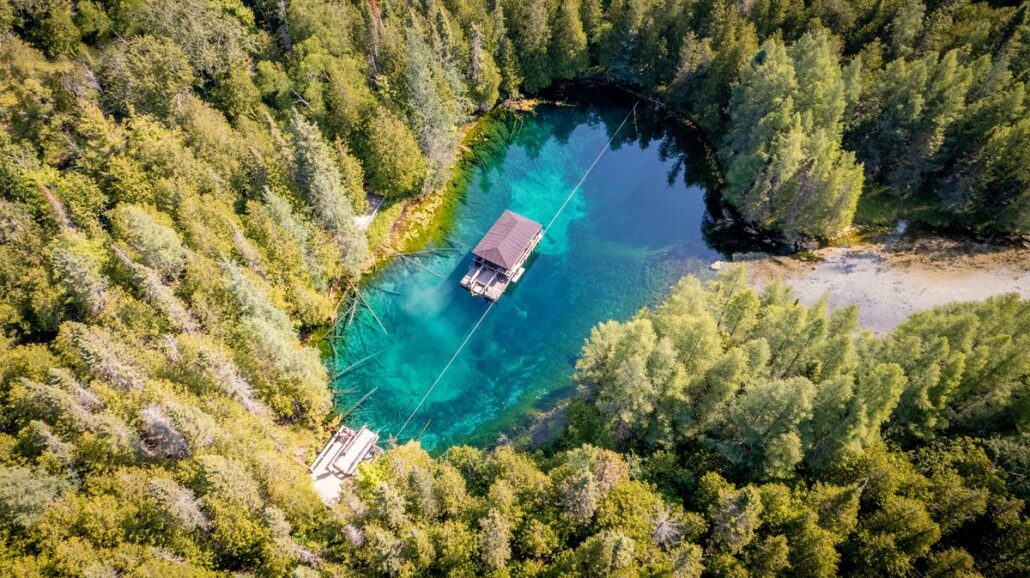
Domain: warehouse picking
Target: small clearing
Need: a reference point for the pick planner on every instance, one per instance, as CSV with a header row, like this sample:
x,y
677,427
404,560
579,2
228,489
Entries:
x,y
889,282
365,219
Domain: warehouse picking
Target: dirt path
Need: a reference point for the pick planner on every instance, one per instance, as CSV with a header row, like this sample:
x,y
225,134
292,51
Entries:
x,y
888,282
375,202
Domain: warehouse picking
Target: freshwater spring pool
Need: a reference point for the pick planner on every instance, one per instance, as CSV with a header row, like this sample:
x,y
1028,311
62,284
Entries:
x,y
636,226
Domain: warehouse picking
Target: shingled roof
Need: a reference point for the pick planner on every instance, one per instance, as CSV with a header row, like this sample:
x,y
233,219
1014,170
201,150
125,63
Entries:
x,y
507,239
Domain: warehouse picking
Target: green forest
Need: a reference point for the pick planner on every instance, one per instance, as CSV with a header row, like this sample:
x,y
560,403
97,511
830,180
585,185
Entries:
x,y
178,186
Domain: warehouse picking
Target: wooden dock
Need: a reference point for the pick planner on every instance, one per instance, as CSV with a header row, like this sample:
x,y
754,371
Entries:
x,y
340,458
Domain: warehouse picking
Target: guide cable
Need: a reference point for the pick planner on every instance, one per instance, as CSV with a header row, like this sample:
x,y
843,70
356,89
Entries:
x,y
590,169
445,368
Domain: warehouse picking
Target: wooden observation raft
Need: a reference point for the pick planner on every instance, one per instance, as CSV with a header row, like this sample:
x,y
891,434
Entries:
x,y
498,259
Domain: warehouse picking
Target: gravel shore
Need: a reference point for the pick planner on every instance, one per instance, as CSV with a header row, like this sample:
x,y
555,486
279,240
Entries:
x,y
889,282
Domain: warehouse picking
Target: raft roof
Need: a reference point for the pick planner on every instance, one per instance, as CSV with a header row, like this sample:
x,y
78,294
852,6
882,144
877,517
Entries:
x,y
507,239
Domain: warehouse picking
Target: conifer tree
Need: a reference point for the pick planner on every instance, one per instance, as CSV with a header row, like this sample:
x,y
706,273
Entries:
x,y
394,164
505,56
595,25
483,74
151,237
530,25
320,180
785,165
710,65
79,268
760,430
494,536
999,193
147,74
909,108
431,108
568,50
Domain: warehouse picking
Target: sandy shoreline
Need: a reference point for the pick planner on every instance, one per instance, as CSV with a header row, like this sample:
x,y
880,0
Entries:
x,y
891,281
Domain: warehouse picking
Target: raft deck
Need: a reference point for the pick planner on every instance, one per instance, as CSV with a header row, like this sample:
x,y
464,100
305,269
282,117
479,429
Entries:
x,y
500,257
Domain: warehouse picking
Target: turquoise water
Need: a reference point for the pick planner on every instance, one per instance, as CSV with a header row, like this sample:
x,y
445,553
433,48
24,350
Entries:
x,y
631,231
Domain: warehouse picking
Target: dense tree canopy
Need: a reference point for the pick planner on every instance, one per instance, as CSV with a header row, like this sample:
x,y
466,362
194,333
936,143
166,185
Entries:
x,y
915,107
785,167
178,186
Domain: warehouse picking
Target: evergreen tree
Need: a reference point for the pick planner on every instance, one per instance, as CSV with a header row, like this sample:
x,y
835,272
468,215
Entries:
x,y
323,186
595,25
484,75
622,40
25,494
79,268
759,432
494,536
530,26
394,164
785,165
148,74
505,55
710,65
151,237
568,48
997,194
909,108
431,108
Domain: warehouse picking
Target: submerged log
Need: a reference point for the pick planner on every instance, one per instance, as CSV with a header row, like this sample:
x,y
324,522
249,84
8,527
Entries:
x,y
372,311
430,251
350,316
351,409
423,430
357,364
419,265
337,309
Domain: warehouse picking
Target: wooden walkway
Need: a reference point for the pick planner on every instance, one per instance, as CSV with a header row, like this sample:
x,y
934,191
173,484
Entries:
x,y
340,458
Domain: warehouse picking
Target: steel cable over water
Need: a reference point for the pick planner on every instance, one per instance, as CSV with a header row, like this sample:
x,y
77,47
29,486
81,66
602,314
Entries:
x,y
445,368
572,193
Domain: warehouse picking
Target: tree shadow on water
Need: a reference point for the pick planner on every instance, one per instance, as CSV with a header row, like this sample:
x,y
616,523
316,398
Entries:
x,y
679,140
